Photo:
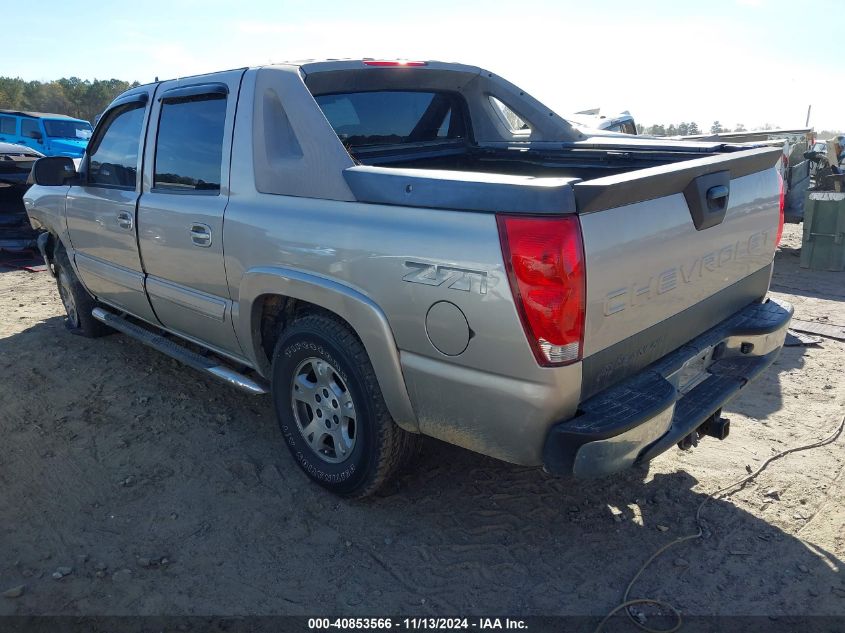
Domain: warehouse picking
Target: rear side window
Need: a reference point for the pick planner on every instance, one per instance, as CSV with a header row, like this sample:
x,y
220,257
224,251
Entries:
x,y
30,128
363,119
189,150
7,125
113,154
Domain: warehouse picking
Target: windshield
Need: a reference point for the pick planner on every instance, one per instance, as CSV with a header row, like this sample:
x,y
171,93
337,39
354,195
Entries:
x,y
56,128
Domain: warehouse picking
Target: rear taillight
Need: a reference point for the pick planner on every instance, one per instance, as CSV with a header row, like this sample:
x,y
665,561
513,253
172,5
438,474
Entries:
x,y
782,210
544,258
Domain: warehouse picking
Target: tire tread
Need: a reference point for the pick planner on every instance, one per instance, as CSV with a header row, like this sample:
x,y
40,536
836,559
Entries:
x,y
396,447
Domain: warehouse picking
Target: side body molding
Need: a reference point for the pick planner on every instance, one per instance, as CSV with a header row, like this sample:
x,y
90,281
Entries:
x,y
365,317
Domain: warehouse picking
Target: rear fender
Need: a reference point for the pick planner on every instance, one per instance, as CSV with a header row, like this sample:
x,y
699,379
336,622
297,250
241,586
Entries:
x,y
363,315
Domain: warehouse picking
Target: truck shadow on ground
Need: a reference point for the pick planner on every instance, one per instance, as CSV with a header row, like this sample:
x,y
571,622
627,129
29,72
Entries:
x,y
169,493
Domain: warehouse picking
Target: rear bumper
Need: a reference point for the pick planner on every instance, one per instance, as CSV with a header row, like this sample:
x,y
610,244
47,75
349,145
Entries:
x,y
644,415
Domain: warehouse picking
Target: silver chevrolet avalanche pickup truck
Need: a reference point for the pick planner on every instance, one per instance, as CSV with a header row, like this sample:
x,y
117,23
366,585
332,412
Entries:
x,y
399,249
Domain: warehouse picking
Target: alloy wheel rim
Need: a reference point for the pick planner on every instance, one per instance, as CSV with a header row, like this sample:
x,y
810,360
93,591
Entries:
x,y
324,410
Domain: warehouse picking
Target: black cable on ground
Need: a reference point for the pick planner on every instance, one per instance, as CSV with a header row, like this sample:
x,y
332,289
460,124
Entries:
x,y
738,485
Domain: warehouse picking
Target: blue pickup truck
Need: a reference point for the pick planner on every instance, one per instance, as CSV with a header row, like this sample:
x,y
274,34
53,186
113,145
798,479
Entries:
x,y
50,134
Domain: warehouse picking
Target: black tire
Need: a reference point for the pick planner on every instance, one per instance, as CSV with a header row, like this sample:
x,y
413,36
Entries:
x,y
76,300
380,447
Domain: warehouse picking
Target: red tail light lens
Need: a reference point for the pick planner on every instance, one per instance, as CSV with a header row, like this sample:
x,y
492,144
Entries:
x,y
782,210
544,258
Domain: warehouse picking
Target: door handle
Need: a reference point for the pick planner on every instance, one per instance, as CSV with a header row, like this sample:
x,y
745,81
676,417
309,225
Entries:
x,y
125,221
201,235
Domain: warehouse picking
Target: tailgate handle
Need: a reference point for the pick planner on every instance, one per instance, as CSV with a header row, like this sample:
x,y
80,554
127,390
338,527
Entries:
x,y
717,197
707,197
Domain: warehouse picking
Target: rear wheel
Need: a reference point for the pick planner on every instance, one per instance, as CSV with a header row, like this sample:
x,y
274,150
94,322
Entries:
x,y
76,300
331,410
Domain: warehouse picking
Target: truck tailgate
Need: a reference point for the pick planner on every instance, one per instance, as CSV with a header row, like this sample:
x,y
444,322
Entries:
x,y
671,251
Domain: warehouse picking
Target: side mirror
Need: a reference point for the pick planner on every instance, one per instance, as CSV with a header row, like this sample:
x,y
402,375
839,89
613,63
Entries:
x,y
53,171
35,134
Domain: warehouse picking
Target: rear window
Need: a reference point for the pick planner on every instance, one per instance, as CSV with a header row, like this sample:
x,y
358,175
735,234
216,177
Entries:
x,y
363,119
8,125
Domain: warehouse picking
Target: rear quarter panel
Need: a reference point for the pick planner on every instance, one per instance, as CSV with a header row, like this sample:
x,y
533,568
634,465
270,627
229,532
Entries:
x,y
492,397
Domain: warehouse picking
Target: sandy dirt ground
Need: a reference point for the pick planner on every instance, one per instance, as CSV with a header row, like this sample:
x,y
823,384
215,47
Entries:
x,y
133,485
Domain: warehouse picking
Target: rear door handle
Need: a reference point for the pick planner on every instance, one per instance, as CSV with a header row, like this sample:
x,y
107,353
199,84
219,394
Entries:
x,y
201,235
125,221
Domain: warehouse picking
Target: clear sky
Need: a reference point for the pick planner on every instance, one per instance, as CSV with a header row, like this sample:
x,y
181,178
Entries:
x,y
736,61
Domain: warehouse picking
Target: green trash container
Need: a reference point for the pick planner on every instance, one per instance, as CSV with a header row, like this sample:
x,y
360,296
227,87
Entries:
x,y
823,244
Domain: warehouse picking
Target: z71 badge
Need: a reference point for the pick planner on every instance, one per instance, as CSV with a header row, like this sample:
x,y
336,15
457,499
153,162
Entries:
x,y
450,276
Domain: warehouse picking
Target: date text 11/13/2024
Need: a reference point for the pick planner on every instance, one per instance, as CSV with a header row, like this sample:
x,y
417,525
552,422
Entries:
x,y
414,624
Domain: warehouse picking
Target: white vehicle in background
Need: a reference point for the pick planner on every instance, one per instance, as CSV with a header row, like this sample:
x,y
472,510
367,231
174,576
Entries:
x,y
622,122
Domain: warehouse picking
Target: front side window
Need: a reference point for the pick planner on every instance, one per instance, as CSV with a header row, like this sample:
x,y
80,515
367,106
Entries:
x,y
30,128
189,150
59,128
390,117
113,154
8,125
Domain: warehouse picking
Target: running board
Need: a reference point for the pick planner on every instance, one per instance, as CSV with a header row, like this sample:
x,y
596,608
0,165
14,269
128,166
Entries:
x,y
180,353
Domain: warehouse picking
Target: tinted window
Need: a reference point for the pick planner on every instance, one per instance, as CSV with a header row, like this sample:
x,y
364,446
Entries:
x,y
7,125
59,128
189,151
388,117
30,127
114,153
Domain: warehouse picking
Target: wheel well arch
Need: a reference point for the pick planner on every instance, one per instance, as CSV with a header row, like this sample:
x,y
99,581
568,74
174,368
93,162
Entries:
x,y
272,298
275,312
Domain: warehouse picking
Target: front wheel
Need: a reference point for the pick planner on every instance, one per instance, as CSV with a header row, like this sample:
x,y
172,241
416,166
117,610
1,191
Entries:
x,y
76,300
331,410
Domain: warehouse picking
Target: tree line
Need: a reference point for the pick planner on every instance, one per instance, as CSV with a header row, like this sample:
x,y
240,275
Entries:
x,y
84,99
79,98
691,128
